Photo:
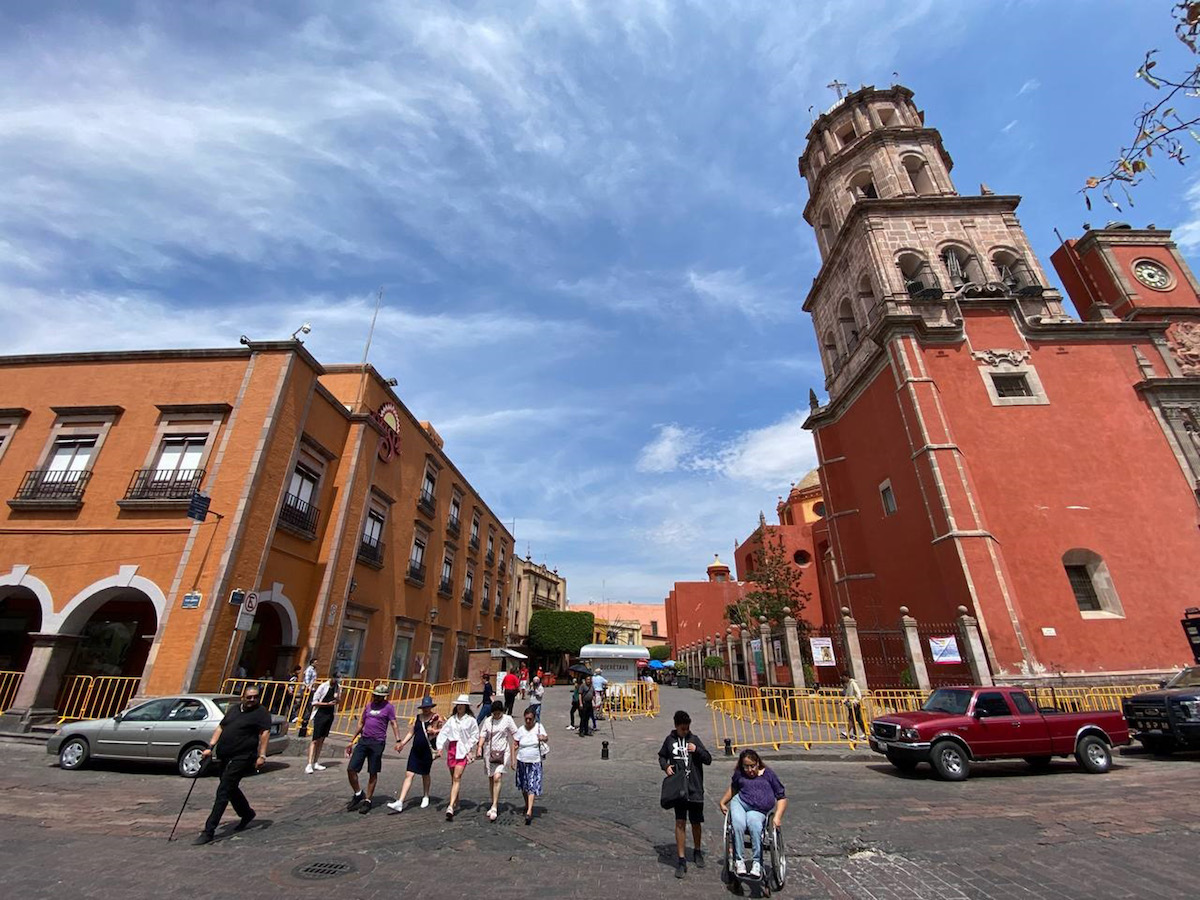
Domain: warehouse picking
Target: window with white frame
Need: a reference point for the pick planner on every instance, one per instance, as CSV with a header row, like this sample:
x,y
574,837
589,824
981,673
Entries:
x,y
429,487
475,529
447,568
491,544
70,456
373,528
416,556
455,510
303,486
179,457
8,429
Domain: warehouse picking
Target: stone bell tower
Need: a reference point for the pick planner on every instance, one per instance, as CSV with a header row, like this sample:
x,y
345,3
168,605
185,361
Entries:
x,y
977,445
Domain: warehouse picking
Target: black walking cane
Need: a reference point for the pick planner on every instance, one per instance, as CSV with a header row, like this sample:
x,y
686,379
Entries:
x,y
182,808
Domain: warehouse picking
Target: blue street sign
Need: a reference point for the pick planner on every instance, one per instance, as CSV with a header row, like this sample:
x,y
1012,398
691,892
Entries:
x,y
198,506
236,597
191,600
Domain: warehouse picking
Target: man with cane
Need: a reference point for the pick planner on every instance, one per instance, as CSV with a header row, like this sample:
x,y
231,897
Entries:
x,y
240,747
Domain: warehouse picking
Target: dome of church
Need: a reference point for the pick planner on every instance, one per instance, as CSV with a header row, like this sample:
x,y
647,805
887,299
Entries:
x,y
717,564
812,479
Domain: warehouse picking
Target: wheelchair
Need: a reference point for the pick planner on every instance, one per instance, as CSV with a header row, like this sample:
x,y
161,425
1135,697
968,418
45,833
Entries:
x,y
774,860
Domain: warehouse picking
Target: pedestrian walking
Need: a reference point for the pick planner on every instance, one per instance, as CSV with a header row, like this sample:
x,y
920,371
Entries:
x,y
587,711
511,684
310,680
291,695
457,739
524,682
683,752
486,704
853,696
324,705
240,747
496,737
530,747
367,746
575,688
752,794
422,735
600,686
537,693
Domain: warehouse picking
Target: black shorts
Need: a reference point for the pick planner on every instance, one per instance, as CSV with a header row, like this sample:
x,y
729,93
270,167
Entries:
x,y
370,752
321,723
693,812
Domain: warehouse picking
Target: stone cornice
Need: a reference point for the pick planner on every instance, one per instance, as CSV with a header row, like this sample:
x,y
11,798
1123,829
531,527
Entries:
x,y
910,206
1138,236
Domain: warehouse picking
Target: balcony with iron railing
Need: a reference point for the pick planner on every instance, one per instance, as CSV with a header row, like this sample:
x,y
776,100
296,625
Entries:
x,y
161,487
490,557
370,552
453,527
299,517
485,604
446,587
498,610
473,543
415,574
468,597
427,503
923,284
51,489
503,566
544,601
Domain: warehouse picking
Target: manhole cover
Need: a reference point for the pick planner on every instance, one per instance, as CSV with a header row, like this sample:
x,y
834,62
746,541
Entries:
x,y
583,788
322,870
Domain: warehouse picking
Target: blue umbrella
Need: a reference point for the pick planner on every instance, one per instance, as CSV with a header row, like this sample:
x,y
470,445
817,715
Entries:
x,y
670,663
656,664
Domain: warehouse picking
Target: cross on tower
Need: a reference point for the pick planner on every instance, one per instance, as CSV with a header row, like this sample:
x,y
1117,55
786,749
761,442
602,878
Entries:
x,y
836,85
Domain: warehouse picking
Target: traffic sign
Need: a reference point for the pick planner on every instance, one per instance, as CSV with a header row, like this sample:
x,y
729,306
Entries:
x,y
245,619
236,597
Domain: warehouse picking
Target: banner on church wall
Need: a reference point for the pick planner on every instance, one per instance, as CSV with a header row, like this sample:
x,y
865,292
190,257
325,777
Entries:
x,y
944,650
822,651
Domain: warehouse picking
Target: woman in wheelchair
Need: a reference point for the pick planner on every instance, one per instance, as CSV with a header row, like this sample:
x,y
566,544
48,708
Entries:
x,y
754,793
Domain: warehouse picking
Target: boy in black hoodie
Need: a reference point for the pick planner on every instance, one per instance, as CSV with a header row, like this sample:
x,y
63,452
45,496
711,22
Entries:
x,y
683,749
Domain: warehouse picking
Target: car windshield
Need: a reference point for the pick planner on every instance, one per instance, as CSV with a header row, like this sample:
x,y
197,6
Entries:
x,y
948,700
1189,677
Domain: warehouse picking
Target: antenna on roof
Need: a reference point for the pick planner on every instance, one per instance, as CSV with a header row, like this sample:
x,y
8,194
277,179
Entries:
x,y
362,385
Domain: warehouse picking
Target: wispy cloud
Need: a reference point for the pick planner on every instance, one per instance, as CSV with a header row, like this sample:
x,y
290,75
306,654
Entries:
x,y
664,453
1009,127
1029,86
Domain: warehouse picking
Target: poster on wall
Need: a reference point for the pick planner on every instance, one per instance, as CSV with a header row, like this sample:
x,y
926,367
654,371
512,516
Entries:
x,y
777,652
944,650
822,651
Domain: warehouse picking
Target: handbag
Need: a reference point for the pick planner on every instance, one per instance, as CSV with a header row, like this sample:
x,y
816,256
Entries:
x,y
674,788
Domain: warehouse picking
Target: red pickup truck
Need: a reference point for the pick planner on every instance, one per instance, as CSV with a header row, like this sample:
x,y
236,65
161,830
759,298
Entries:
x,y
960,725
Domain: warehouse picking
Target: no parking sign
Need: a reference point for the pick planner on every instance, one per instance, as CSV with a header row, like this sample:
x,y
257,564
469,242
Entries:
x,y
245,617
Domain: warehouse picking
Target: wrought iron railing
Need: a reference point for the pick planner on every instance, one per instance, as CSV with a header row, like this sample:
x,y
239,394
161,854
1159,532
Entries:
x,y
370,551
453,526
416,572
299,515
446,587
164,484
473,543
427,503
923,284
490,557
468,596
47,484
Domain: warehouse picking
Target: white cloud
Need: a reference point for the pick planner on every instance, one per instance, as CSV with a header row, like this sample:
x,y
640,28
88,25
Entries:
x,y
1009,127
1029,86
663,454
768,457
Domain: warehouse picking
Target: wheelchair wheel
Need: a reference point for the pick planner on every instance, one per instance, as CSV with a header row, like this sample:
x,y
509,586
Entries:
x,y
727,858
775,870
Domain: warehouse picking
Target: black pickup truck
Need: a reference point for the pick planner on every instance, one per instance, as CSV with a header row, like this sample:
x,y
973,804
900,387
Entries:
x,y
1167,719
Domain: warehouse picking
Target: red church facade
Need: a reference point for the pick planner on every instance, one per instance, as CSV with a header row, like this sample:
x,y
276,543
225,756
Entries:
x,y
981,447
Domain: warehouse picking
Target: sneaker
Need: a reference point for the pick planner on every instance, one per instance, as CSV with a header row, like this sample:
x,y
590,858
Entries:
x,y
681,868
354,801
570,728
319,767
756,869
739,867
396,805
698,858
449,815
424,802
245,821
492,814
204,837
308,770
365,807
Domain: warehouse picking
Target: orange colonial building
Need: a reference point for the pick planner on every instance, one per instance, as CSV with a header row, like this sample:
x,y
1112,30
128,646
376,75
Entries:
x,y
364,545
696,609
981,447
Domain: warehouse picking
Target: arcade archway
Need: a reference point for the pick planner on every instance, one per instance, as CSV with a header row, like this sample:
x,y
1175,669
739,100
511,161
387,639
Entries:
x,y
20,619
116,627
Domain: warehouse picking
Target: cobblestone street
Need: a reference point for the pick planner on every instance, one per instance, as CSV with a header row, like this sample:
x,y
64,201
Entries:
x,y
853,829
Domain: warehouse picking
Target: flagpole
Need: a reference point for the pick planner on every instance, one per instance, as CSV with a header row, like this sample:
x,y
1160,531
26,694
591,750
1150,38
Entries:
x,y
362,386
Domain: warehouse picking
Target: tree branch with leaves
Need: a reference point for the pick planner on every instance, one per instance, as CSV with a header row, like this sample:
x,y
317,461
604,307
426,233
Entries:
x,y
1159,127
774,583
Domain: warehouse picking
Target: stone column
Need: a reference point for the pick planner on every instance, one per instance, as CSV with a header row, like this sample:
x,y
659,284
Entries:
x,y
796,661
764,631
34,702
732,660
749,673
853,650
912,647
972,647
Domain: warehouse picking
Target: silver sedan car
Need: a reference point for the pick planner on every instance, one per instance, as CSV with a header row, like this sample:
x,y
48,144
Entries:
x,y
167,729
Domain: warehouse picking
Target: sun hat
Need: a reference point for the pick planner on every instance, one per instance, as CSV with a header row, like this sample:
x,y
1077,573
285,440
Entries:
x,y
381,690
426,703
462,700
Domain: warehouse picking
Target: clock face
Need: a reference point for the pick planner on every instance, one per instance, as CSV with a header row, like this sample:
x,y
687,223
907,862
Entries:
x,y
1152,274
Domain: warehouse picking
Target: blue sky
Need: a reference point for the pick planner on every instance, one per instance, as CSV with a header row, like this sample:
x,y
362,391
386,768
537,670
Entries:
x,y
586,216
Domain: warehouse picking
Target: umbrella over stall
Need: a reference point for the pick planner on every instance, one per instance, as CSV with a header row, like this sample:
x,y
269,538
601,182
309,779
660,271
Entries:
x,y
579,669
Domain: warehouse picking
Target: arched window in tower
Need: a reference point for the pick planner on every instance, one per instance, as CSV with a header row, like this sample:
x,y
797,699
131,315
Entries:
x,y
962,266
919,280
868,303
825,227
848,325
845,133
918,175
833,361
887,116
862,186
1014,273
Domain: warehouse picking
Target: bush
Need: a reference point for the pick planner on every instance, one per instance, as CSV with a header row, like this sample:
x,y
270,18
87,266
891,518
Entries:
x,y
553,631
661,652
714,662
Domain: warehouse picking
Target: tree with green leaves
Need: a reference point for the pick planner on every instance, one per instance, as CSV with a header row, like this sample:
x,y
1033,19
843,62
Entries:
x,y
774,583
1159,127
661,651
554,631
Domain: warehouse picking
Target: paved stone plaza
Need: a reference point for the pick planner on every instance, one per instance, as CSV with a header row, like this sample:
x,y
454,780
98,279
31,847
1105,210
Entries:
x,y
855,828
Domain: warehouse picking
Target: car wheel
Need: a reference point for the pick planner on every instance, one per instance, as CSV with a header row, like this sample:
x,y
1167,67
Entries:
x,y
1093,755
192,763
904,765
73,754
1038,762
949,761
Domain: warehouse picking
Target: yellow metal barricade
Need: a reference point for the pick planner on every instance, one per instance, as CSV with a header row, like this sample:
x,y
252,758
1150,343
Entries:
x,y
10,683
444,692
797,720
1094,698
633,699
96,696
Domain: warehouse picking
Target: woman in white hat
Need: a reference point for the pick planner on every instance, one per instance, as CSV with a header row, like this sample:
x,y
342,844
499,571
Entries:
x,y
495,747
422,734
457,738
